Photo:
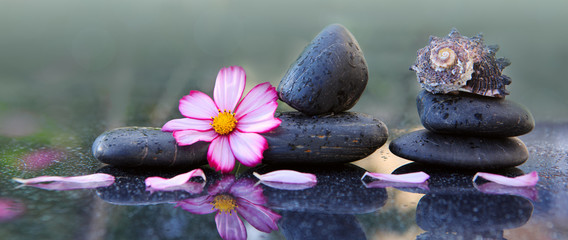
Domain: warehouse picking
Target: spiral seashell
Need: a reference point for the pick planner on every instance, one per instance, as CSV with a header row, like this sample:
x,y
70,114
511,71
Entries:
x,y
457,63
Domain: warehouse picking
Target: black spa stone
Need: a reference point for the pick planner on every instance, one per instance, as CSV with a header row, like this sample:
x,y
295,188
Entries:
x,y
474,115
465,152
301,139
328,77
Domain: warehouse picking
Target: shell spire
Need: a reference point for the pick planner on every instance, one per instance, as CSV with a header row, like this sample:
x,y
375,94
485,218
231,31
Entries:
x,y
459,63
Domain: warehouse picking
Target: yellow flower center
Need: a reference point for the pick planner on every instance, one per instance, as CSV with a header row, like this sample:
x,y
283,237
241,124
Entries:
x,y
224,123
224,203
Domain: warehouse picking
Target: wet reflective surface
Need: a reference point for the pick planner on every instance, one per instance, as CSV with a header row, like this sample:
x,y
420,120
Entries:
x,y
70,71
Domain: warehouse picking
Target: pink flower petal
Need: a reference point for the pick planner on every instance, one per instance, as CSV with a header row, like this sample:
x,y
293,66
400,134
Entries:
x,y
260,95
247,147
495,188
259,120
229,87
230,226
526,180
245,188
417,177
68,183
178,182
258,216
287,176
198,105
187,124
188,137
385,184
220,156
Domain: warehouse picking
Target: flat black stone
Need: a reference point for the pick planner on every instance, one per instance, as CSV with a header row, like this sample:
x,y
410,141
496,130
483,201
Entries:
x,y
474,115
339,138
459,151
328,77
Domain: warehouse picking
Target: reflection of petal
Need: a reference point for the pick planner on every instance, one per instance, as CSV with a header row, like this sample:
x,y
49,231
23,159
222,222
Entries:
x,y
68,183
495,188
287,176
417,177
289,186
199,205
179,182
258,216
230,226
526,180
385,184
245,188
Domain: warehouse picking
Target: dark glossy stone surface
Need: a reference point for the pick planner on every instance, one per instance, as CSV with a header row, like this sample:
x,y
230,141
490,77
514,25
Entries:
x,y
470,114
328,77
338,138
336,186
461,152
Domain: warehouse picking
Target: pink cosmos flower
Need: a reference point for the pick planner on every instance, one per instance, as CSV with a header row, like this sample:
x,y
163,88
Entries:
x,y
231,126
229,197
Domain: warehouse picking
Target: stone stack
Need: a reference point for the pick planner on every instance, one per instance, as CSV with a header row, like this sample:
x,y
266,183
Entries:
x,y
467,131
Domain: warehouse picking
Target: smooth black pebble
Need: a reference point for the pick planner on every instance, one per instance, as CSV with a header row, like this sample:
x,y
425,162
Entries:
x,y
473,115
460,151
339,138
328,77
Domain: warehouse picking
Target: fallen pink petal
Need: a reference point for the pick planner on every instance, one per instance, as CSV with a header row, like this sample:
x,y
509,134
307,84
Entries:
x,y
495,188
179,182
416,177
526,180
287,176
68,183
231,125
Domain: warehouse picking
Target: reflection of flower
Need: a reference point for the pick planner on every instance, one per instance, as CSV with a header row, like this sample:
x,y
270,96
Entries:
x,y
229,197
230,126
40,159
10,209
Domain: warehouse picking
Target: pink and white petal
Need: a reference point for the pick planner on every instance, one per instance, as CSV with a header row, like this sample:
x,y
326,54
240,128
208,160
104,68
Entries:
x,y
159,183
526,180
220,156
188,137
187,124
245,188
287,176
198,105
417,177
260,120
248,147
91,178
229,87
260,95
230,226
258,216
199,205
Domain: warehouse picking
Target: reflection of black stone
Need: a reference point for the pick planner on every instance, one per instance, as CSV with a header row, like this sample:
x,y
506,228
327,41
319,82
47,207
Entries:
x,y
471,214
328,77
129,187
302,225
339,190
460,151
473,115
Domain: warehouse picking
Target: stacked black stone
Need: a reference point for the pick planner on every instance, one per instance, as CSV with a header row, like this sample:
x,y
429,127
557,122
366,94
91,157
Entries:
x,y
326,80
467,131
